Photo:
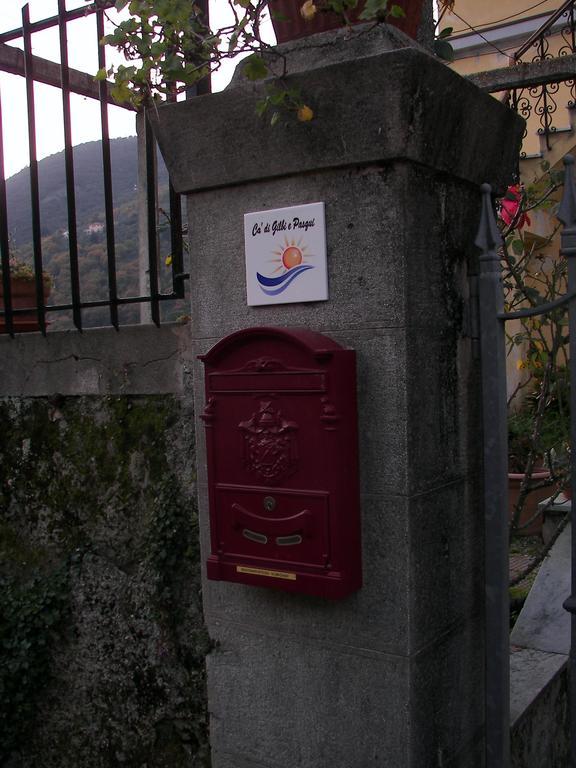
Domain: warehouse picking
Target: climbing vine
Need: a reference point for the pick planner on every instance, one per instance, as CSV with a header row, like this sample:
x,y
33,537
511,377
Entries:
x,y
32,618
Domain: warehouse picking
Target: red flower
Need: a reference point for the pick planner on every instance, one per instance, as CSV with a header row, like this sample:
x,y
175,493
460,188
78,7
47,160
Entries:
x,y
510,205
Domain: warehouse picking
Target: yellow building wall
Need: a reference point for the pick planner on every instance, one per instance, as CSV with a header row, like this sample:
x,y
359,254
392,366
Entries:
x,y
492,13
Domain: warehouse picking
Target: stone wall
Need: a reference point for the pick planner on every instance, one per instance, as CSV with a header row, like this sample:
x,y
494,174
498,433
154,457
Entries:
x,y
101,624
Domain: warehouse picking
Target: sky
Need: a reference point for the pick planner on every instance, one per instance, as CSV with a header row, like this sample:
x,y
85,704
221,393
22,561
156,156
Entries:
x,y
82,55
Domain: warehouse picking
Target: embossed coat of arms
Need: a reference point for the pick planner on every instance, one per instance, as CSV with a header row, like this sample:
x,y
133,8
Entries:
x,y
270,446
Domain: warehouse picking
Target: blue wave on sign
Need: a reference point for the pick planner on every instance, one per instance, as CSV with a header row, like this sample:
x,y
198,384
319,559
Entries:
x,y
272,286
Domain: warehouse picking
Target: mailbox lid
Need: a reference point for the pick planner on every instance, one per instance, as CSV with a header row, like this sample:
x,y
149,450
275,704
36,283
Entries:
x,y
290,344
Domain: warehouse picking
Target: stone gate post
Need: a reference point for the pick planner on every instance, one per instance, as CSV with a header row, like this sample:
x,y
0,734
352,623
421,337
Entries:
x,y
393,675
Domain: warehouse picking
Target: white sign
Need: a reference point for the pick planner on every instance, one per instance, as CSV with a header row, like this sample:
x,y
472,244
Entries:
x,y
286,255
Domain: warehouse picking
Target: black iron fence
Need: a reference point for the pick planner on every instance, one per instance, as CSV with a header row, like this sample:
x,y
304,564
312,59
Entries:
x,y
153,288
555,38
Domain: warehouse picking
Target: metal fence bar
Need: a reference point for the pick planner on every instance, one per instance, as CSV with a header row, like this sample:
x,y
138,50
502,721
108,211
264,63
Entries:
x,y
107,170
494,417
4,241
105,303
69,162
53,21
540,309
152,230
34,184
176,243
176,239
541,31
48,72
567,215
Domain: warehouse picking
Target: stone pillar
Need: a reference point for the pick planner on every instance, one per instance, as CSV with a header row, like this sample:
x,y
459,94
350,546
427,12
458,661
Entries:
x,y
392,676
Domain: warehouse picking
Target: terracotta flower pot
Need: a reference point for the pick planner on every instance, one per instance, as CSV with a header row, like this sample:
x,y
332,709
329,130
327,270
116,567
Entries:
x,y
531,502
23,297
294,26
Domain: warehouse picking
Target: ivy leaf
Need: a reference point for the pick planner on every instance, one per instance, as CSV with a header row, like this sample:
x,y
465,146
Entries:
x,y
397,12
255,68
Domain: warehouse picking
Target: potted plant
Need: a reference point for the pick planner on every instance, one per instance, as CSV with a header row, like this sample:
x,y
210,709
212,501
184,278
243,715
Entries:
x,y
293,19
171,46
23,295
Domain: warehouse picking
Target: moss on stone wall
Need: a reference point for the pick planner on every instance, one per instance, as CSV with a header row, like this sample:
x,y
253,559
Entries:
x,y
101,627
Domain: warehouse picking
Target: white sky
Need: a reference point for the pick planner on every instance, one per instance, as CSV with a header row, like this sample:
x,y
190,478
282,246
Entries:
x,y
82,55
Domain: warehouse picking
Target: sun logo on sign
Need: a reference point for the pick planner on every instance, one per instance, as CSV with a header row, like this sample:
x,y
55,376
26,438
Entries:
x,y
290,258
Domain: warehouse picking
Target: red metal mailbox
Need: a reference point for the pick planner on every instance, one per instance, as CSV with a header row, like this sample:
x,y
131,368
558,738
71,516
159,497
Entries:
x,y
282,453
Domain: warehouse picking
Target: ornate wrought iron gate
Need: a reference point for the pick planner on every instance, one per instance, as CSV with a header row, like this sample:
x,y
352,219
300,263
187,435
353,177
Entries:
x,y
492,343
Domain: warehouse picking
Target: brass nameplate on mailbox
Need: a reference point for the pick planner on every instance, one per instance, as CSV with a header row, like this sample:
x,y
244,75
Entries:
x,y
264,572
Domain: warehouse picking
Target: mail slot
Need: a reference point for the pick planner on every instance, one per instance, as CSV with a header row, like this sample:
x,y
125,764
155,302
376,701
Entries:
x,y
282,455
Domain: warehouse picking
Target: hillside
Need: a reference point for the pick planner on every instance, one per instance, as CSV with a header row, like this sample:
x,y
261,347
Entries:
x,y
88,187
90,226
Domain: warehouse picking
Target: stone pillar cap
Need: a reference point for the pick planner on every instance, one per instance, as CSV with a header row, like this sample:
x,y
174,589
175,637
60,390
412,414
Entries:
x,y
400,105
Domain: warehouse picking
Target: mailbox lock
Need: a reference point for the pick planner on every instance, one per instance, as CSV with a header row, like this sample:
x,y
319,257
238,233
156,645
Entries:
x,y
269,503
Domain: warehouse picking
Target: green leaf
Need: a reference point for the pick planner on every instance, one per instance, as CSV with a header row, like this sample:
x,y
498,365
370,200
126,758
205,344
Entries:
x,y
274,119
397,12
101,74
443,50
374,9
121,93
518,247
233,42
255,68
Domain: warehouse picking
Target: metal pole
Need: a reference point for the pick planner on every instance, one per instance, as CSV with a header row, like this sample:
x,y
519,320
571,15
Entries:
x,y
143,255
69,166
567,215
107,177
34,180
4,240
494,419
